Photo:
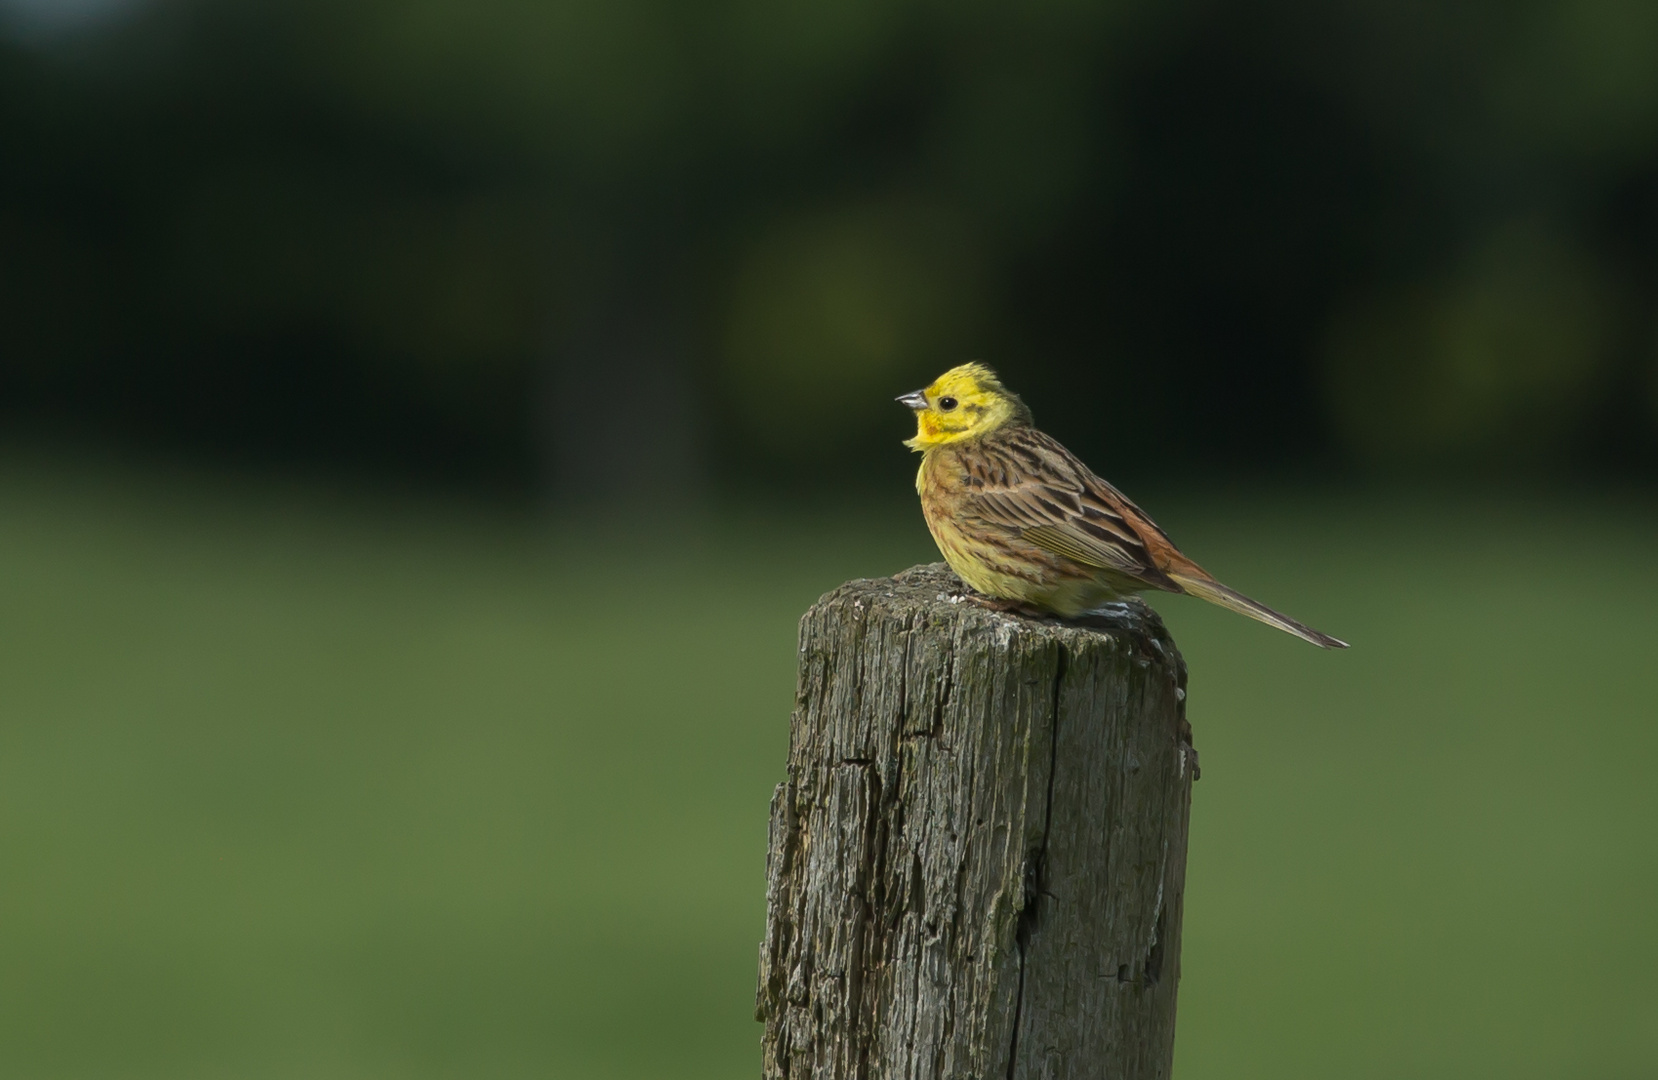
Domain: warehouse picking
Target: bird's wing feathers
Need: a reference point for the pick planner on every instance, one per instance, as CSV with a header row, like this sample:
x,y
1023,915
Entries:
x,y
1104,555
1030,484
1022,482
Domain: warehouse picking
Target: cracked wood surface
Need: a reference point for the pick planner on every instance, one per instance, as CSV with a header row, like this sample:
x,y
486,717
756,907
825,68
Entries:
x,y
977,862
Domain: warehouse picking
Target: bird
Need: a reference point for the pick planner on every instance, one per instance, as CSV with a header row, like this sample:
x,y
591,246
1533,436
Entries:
x,y
1029,527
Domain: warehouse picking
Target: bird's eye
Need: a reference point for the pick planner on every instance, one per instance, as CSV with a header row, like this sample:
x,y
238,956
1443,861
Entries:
x,y
945,404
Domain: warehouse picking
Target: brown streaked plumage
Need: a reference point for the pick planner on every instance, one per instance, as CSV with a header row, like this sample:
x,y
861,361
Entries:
x,y
1022,520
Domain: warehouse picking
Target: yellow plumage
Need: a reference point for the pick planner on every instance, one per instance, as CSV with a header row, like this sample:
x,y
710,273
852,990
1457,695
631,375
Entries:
x,y
1024,522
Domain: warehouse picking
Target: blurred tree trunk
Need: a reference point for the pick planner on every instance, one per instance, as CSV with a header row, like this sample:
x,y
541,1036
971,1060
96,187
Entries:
x,y
620,413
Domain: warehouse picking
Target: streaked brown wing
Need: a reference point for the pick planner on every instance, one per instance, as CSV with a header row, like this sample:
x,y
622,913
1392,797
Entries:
x,y
1027,482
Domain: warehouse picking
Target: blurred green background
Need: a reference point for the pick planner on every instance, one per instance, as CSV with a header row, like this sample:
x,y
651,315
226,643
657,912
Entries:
x,y
422,424
421,238
296,784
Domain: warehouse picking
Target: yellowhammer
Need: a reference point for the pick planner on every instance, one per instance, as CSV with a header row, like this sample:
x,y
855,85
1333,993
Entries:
x,y
1024,522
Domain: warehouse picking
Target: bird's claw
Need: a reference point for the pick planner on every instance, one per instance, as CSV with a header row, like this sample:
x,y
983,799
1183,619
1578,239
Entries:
x,y
1007,607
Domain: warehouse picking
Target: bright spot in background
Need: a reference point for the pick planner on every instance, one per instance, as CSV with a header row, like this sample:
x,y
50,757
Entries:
x,y
35,20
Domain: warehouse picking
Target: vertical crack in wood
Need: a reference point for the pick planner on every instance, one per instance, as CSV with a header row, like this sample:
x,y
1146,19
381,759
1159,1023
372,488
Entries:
x,y
867,938
1035,864
1154,956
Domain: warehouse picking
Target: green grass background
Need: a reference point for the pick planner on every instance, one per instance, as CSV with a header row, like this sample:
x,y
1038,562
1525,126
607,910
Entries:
x,y
295,786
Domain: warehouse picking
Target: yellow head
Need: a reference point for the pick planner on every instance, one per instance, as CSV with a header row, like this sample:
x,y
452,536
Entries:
x,y
963,403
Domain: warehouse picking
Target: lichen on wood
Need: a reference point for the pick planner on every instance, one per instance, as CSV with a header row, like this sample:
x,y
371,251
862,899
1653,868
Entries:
x,y
977,862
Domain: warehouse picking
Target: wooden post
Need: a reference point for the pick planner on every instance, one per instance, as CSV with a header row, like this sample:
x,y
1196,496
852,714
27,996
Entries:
x,y
977,861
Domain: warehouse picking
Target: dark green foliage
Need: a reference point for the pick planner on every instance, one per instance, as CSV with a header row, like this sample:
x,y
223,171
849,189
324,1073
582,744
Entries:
x,y
1210,232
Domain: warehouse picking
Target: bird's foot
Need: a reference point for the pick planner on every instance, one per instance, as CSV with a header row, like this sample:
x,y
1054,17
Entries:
x,y
1007,607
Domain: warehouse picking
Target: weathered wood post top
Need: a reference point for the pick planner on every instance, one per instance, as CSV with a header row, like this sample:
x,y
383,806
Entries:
x,y
977,862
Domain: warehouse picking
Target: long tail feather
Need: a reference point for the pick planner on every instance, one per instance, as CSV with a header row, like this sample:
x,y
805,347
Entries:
x,y
1207,588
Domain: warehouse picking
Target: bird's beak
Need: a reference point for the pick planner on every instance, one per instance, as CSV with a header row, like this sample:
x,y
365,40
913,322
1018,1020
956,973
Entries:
x,y
916,399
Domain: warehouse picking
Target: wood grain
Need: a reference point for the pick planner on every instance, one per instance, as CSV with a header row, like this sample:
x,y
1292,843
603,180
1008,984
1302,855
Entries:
x,y
977,862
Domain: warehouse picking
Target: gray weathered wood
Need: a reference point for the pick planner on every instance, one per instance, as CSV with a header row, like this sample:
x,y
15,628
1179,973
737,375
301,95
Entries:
x,y
977,861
